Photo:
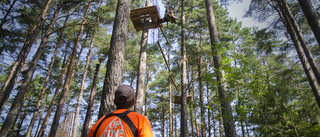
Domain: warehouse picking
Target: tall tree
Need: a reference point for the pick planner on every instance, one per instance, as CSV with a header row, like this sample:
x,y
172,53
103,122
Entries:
x,y
69,74
305,63
184,113
42,44
76,117
226,109
311,60
312,17
25,85
115,62
202,111
61,76
142,66
16,67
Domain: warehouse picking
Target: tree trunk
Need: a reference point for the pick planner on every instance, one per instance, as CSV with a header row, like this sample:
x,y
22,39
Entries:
x,y
170,98
146,98
68,78
4,19
306,66
62,74
12,128
42,44
76,117
162,116
85,127
220,122
27,80
202,111
304,45
115,62
16,67
138,107
25,113
312,17
183,121
175,124
226,109
209,114
90,105
191,105
41,114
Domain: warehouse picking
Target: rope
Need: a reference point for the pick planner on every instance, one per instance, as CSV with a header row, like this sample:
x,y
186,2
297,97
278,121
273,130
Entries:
x,y
178,89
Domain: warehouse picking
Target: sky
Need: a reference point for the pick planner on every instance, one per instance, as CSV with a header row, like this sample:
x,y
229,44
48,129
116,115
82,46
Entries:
x,y
237,10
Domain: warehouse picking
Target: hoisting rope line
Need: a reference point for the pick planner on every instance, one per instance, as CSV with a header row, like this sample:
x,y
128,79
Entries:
x,y
165,60
164,35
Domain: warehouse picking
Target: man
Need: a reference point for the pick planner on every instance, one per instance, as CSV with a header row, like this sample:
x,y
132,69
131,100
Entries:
x,y
122,122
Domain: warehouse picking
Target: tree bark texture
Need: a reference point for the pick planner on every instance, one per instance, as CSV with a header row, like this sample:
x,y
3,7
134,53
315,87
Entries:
x,y
115,62
85,128
142,66
202,111
184,120
312,17
226,109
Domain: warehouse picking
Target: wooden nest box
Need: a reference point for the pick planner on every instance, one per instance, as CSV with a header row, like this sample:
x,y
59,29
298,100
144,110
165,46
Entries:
x,y
137,17
177,99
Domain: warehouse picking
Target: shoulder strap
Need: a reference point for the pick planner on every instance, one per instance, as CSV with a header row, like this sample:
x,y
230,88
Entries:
x,y
129,122
125,119
97,128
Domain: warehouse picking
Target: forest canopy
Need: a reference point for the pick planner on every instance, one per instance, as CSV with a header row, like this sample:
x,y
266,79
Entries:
x,y
200,74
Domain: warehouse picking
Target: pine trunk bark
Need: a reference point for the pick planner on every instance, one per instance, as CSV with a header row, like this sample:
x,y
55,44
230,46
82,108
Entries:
x,y
191,105
170,99
146,98
226,109
68,78
184,121
312,17
209,113
202,111
142,66
115,62
90,105
162,116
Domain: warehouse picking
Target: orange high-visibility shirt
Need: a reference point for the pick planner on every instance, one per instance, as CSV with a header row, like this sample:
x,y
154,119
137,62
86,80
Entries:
x,y
114,126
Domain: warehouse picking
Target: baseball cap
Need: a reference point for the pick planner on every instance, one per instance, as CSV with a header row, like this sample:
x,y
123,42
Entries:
x,y
124,93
